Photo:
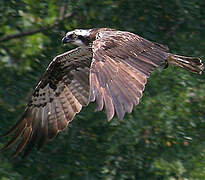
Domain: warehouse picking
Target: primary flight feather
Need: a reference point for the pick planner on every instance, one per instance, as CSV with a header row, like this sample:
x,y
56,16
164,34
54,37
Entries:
x,y
109,67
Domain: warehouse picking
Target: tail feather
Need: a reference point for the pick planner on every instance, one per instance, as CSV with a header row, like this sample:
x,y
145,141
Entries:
x,y
192,64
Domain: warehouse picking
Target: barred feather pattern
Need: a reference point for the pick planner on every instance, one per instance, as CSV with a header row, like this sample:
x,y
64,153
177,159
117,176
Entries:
x,y
122,62
59,95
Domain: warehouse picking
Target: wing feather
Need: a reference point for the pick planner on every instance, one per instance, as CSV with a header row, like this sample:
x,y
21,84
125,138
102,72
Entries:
x,y
18,133
122,62
60,94
52,121
25,138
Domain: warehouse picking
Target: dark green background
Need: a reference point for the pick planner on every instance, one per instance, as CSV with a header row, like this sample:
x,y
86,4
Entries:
x,y
164,137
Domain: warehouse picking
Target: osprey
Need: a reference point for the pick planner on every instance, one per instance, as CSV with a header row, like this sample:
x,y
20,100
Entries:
x,y
109,67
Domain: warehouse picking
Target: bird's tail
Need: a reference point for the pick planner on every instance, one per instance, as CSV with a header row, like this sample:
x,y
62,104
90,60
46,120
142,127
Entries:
x,y
192,64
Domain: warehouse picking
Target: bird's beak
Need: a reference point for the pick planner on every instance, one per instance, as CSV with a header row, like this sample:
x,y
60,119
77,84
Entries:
x,y
66,40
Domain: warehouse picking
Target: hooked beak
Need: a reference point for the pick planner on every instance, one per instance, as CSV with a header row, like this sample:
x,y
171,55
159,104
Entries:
x,y
66,40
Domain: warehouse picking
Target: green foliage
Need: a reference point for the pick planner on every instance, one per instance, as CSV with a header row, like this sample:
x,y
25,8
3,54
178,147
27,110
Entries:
x,y
164,136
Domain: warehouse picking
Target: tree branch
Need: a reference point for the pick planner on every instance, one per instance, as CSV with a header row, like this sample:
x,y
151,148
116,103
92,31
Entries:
x,y
62,12
31,32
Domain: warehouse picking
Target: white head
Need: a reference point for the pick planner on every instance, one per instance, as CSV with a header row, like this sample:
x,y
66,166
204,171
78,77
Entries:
x,y
79,37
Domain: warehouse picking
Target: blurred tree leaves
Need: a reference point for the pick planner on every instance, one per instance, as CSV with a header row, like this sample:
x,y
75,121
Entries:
x,y
164,136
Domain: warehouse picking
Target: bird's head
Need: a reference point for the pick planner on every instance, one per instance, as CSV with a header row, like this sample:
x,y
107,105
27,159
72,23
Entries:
x,y
79,37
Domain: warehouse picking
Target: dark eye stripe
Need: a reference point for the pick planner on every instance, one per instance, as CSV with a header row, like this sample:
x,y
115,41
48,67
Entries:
x,y
86,41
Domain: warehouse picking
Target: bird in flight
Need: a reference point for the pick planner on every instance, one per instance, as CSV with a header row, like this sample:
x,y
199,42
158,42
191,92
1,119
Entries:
x,y
109,67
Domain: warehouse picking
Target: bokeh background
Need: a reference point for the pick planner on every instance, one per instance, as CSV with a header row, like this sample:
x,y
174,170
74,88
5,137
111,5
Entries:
x,y
164,137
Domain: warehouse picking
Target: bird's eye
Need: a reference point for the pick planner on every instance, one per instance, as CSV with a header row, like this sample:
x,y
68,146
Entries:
x,y
74,36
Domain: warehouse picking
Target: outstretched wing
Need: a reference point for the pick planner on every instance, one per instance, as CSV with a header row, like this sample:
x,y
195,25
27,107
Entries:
x,y
60,94
122,62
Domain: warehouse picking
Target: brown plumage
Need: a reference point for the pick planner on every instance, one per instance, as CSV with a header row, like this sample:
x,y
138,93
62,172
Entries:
x,y
110,67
